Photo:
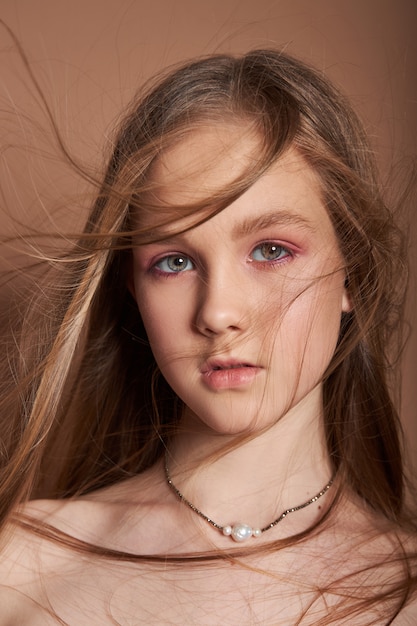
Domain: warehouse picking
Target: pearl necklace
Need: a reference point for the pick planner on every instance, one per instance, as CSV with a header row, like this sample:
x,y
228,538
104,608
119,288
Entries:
x,y
241,532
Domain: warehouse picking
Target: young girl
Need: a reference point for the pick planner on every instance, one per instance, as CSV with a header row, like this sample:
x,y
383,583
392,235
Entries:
x,y
200,412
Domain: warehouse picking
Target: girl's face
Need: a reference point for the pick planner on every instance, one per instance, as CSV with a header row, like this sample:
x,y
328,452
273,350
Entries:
x,y
242,312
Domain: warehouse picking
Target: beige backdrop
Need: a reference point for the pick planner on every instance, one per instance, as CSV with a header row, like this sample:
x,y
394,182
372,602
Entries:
x,y
91,55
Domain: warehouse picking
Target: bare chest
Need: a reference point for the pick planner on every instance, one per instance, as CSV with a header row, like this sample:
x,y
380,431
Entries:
x,y
272,593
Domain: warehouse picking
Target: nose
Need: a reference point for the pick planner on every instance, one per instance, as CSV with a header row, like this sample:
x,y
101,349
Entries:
x,y
222,307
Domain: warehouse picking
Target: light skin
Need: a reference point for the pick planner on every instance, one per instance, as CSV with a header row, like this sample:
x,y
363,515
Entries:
x,y
243,315
256,307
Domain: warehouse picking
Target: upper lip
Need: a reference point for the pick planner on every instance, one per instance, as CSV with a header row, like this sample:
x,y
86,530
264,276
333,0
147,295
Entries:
x,y
221,364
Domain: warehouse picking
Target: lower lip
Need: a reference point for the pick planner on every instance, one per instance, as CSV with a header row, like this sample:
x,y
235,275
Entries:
x,y
230,378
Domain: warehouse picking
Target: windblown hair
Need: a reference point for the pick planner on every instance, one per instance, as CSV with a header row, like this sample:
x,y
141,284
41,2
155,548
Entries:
x,y
90,403
88,406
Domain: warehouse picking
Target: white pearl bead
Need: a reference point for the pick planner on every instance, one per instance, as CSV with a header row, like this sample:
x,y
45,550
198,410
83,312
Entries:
x,y
241,532
227,530
257,532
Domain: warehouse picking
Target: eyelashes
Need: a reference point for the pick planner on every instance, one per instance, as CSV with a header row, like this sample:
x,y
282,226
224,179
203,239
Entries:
x,y
265,253
270,251
174,264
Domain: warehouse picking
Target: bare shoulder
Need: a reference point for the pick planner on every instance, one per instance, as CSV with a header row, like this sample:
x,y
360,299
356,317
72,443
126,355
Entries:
x,y
362,546
408,616
42,572
50,544
26,562
131,516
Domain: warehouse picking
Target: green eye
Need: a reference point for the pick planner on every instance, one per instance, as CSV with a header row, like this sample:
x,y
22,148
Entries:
x,y
174,263
269,251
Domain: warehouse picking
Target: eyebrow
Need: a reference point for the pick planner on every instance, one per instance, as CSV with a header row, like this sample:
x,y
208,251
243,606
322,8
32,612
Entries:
x,y
274,218
248,225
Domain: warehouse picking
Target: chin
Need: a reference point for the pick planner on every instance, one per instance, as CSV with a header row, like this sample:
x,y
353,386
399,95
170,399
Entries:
x,y
233,427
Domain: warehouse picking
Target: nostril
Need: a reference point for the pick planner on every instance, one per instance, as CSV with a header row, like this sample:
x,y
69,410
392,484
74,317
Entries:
x,y
219,313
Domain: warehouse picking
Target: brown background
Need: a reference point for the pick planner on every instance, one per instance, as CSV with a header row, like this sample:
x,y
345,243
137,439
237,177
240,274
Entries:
x,y
90,56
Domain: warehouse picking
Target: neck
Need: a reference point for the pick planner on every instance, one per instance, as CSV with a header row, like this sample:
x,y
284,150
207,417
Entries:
x,y
253,477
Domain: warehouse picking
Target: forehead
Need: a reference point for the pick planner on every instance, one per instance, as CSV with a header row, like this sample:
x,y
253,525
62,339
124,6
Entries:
x,y
211,158
206,160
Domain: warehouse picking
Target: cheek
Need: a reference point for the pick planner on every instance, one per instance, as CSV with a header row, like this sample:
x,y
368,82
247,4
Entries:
x,y
156,325
164,322
323,326
307,331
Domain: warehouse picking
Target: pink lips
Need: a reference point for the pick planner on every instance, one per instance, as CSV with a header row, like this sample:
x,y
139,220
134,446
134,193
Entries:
x,y
228,374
